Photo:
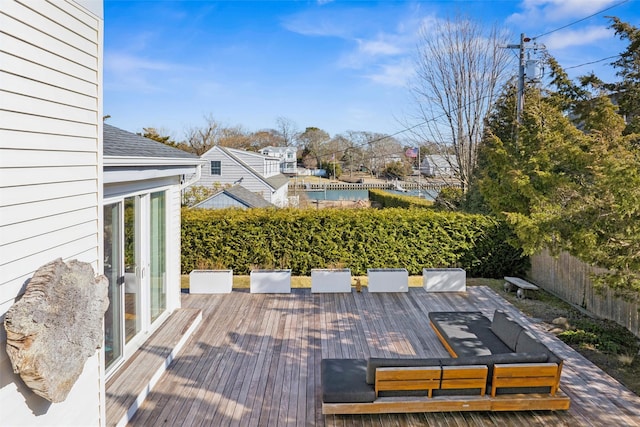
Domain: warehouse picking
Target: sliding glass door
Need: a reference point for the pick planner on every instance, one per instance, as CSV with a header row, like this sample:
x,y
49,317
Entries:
x,y
158,255
113,319
133,266
135,262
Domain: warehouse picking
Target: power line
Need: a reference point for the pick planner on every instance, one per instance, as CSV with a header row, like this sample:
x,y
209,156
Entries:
x,y
583,19
592,62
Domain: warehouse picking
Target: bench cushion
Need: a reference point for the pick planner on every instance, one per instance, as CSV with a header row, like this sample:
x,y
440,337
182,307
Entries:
x,y
391,362
344,381
506,329
468,333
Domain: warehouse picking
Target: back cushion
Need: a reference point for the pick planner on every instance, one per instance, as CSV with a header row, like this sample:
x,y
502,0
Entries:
x,y
507,329
527,343
493,359
381,362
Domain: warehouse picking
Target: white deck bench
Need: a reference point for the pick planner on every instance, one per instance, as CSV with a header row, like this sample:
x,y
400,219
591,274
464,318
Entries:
x,y
521,286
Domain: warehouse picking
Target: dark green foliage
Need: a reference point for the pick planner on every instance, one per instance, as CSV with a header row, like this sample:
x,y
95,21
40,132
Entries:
x,y
390,200
449,199
606,337
357,239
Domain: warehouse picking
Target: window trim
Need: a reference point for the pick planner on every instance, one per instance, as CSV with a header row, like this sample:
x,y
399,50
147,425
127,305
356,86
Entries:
x,y
216,167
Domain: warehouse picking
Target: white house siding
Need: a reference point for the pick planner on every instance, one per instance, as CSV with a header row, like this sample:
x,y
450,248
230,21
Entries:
x,y
281,197
232,173
50,180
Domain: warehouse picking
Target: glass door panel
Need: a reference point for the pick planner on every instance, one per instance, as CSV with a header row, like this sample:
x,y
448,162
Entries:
x,y
158,255
133,270
113,271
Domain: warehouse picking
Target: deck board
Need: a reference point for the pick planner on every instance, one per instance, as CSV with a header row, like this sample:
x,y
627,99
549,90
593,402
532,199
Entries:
x,y
255,361
130,381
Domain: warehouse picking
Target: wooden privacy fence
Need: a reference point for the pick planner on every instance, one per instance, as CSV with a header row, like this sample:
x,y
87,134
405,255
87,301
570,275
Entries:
x,y
570,279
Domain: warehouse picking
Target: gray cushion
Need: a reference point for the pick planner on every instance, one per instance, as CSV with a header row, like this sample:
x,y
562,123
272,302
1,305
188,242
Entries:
x,y
506,329
468,333
343,381
380,362
528,343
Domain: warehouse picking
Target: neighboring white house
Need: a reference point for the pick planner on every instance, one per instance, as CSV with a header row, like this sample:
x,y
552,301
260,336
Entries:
x,y
438,166
60,197
256,172
50,176
287,156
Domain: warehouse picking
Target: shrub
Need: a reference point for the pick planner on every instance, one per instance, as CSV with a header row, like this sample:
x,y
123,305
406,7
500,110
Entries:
x,y
390,200
358,239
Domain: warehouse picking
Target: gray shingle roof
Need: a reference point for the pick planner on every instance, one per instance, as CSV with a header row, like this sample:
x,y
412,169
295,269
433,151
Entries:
x,y
250,198
242,195
277,181
120,143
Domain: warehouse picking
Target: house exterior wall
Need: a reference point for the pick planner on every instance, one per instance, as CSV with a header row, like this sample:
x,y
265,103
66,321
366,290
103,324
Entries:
x,y
50,175
280,197
234,173
285,155
264,165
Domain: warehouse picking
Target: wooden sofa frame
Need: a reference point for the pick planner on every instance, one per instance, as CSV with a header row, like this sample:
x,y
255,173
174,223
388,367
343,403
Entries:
x,y
519,374
473,377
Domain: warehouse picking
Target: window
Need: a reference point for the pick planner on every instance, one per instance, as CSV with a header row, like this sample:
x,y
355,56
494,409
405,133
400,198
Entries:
x,y
216,167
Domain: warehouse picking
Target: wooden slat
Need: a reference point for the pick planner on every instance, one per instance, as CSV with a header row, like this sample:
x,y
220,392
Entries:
x,y
524,375
408,378
133,379
464,377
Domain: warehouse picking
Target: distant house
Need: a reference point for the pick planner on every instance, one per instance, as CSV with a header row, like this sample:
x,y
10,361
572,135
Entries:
x,y
287,156
236,197
438,166
256,172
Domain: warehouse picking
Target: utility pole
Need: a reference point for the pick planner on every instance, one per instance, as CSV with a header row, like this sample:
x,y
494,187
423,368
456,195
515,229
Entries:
x,y
521,80
521,75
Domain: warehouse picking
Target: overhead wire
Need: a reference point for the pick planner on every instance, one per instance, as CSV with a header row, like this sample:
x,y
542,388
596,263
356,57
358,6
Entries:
x,y
582,19
424,122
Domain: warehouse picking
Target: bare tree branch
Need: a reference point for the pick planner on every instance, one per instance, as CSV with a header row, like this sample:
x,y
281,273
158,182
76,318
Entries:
x,y
460,67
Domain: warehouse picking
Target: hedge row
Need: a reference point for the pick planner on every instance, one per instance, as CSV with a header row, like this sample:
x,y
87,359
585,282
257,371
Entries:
x,y
357,239
390,200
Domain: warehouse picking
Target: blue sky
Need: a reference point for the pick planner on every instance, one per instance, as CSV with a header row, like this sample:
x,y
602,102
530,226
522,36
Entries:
x,y
336,65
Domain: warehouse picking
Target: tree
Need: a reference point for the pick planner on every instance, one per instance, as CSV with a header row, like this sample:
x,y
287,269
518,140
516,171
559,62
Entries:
x,y
234,137
460,68
202,139
564,188
397,169
288,131
627,67
265,138
314,142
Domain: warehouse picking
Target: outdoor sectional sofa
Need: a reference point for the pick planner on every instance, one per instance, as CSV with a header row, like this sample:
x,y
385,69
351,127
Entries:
x,y
494,366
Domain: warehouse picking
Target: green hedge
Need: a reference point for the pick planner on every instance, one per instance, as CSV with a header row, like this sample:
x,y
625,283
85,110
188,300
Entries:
x,y
357,239
390,200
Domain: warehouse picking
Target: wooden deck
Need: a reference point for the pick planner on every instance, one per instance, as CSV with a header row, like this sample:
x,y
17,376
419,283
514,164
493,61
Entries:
x,y
255,361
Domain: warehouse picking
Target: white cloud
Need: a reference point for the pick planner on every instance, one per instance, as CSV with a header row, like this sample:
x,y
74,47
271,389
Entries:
x,y
125,71
379,47
535,11
397,74
573,38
